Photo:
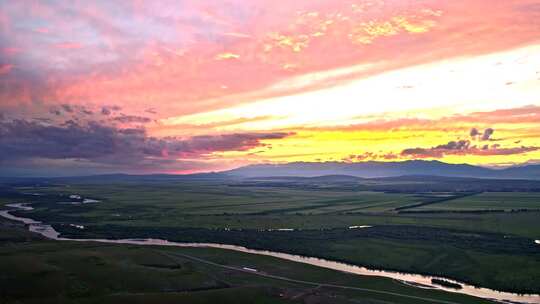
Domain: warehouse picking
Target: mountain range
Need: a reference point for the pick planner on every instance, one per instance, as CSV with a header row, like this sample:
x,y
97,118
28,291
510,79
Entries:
x,y
332,170
373,169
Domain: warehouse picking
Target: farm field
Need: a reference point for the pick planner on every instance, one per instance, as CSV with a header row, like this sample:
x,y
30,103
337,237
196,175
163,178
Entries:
x,y
490,201
315,218
214,198
39,271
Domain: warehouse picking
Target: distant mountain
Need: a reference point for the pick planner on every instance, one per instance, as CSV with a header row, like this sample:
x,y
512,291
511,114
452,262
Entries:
x,y
527,171
314,171
374,169
110,178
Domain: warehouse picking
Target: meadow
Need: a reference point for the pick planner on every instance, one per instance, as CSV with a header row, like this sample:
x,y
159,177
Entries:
x,y
506,201
41,271
423,231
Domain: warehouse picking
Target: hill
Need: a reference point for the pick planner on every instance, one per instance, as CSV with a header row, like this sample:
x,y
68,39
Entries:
x,y
374,169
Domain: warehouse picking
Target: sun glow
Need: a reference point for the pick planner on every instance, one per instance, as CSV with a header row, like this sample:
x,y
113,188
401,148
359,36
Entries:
x,y
461,85
187,87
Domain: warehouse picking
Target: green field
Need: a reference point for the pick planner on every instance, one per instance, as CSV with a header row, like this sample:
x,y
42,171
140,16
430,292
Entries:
x,y
215,205
490,201
209,198
412,231
38,271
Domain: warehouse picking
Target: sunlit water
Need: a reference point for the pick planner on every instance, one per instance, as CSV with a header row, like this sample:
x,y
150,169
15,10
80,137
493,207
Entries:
x,y
21,206
84,201
415,280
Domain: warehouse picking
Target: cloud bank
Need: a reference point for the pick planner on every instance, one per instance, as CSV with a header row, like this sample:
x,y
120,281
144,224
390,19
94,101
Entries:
x,y
102,144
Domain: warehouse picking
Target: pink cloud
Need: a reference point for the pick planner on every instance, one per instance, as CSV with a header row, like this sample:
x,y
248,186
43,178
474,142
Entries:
x,y
9,51
131,62
6,68
69,45
42,30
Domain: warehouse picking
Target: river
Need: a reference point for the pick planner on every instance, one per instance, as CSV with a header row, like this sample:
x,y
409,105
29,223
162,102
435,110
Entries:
x,y
416,280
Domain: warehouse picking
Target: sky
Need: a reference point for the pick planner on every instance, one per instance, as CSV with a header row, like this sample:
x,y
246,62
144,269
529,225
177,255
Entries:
x,y
185,86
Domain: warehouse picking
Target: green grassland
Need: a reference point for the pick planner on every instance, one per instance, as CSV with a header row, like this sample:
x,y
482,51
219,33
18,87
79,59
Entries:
x,y
40,271
410,233
215,205
490,201
214,198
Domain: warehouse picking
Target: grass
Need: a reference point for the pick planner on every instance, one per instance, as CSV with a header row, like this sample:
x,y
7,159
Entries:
x,y
207,198
491,249
490,201
487,260
38,271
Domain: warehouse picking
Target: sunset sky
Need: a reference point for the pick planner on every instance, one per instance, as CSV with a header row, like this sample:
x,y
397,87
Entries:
x,y
188,86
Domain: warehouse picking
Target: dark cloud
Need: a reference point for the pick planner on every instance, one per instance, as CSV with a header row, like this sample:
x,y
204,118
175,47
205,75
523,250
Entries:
x,y
132,119
67,108
361,157
454,145
42,119
509,151
487,134
370,156
55,111
474,132
70,110
101,144
107,110
205,144
422,153
464,147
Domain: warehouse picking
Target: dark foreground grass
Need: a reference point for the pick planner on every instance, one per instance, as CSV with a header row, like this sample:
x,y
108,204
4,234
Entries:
x,y
481,259
40,271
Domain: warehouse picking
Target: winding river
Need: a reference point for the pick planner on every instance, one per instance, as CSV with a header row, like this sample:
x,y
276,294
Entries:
x,y
416,280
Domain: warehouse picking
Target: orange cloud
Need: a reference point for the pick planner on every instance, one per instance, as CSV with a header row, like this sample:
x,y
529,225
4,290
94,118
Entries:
x,y
522,115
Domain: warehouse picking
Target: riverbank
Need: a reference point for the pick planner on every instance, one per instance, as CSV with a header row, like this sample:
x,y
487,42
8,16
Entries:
x,y
49,232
